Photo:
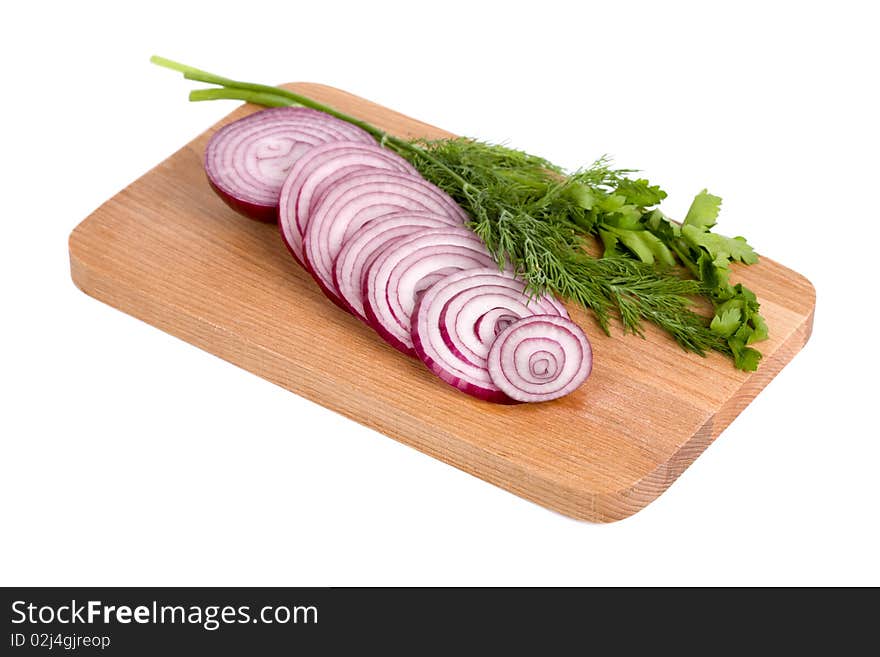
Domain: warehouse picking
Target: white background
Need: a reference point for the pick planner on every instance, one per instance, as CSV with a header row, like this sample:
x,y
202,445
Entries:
x,y
130,457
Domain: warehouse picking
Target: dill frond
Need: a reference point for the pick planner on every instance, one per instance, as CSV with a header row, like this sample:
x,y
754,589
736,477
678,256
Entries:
x,y
530,214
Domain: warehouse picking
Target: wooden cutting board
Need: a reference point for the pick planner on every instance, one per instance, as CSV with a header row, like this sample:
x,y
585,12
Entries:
x,y
169,252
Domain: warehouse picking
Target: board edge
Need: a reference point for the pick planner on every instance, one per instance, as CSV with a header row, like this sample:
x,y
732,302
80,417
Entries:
x,y
626,501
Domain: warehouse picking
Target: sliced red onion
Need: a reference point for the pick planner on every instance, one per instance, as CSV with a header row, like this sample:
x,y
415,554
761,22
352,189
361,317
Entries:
x,y
315,171
457,320
540,358
408,267
339,129
392,162
362,249
247,160
356,200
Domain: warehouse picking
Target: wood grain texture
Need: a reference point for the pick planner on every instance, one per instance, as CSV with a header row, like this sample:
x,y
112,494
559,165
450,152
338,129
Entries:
x,y
169,252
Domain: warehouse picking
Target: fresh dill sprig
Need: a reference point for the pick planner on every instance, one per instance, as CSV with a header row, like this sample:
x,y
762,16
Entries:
x,y
540,218
530,215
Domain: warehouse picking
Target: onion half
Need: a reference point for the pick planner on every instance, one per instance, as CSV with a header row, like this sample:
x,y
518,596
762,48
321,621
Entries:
x,y
247,160
540,358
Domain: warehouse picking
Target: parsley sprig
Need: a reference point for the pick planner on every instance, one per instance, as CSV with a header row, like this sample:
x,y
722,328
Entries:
x,y
542,219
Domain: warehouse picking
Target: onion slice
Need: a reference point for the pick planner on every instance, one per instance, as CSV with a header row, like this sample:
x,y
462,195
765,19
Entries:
x,y
247,160
411,265
367,244
356,200
314,173
457,320
540,358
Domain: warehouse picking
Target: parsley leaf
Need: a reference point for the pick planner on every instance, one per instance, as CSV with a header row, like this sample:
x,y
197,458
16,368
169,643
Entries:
x,y
703,211
646,247
720,247
727,322
640,192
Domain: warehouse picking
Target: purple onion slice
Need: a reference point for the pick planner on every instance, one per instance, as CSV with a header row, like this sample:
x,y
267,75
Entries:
x,y
315,173
356,200
408,267
540,358
367,244
457,320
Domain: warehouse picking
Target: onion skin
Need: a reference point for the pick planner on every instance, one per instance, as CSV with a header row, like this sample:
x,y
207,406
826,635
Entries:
x,y
540,358
264,213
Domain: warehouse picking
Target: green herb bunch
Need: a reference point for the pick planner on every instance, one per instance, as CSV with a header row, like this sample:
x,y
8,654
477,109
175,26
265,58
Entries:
x,y
540,218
